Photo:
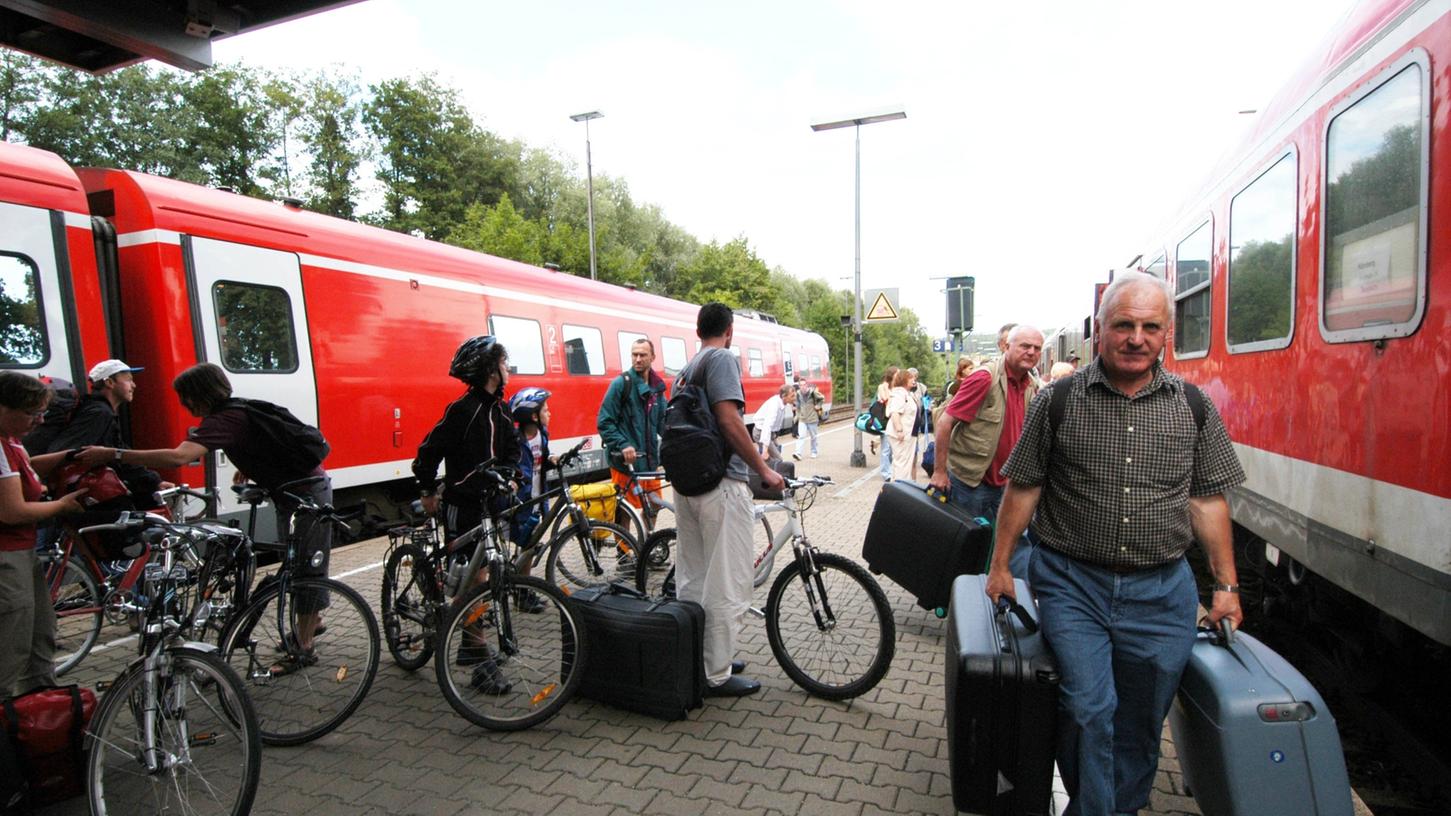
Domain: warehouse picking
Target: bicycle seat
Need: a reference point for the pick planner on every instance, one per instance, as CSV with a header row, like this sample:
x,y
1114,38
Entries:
x,y
250,493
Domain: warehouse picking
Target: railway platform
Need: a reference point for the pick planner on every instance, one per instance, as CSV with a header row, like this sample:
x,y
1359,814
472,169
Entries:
x,y
406,753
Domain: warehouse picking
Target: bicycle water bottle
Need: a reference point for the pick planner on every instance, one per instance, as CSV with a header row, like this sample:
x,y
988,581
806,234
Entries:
x,y
457,564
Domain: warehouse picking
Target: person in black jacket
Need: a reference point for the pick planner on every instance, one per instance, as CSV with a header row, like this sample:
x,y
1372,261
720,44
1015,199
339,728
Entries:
x,y
96,421
475,428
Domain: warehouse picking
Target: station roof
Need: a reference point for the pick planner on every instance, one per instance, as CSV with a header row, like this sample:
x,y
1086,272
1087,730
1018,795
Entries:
x,y
103,35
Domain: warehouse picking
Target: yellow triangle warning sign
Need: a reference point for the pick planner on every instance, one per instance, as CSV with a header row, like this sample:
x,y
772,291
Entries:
x,y
882,309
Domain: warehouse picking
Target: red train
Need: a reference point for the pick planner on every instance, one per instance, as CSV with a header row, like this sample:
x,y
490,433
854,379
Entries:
x,y
349,326
1313,299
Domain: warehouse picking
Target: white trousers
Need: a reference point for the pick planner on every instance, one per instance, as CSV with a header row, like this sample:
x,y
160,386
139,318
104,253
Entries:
x,y
713,566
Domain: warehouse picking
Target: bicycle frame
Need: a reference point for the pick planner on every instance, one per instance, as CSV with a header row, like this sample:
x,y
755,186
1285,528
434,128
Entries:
x,y
59,554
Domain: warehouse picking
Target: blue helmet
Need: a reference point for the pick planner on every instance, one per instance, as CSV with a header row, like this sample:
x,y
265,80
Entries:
x,y
525,405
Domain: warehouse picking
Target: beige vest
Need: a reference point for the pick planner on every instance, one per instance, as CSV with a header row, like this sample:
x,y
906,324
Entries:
x,y
974,443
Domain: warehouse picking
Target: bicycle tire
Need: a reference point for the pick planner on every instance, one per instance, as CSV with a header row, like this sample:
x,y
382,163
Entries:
x,y
629,517
847,658
78,616
655,569
590,556
205,722
409,601
545,653
287,690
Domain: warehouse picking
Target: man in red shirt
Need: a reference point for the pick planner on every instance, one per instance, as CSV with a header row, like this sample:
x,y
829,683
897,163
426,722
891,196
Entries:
x,y
983,421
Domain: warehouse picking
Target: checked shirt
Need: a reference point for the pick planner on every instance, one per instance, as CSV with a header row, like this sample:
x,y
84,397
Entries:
x,y
1118,476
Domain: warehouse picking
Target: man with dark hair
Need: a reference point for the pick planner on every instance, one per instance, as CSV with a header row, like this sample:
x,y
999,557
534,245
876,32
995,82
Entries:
x,y
629,418
714,558
1123,482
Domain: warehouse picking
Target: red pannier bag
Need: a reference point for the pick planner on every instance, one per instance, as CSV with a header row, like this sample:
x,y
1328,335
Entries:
x,y
47,727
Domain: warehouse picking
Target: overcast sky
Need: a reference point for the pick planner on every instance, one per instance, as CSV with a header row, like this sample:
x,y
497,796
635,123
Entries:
x,y
1044,141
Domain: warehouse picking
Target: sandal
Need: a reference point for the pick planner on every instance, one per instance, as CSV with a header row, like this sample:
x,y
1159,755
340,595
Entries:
x,y
291,663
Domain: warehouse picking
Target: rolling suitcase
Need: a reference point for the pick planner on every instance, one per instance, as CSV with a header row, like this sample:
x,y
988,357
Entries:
x,y
1002,703
1253,736
644,655
921,540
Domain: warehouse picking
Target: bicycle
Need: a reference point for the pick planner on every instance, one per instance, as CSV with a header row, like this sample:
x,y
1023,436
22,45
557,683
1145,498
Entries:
x,y
175,730
828,621
417,583
497,669
300,694
84,594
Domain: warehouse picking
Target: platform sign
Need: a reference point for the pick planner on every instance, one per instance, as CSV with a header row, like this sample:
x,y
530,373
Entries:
x,y
881,305
943,345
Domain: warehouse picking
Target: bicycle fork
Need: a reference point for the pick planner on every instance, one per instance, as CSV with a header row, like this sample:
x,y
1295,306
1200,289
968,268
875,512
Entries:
x,y
812,581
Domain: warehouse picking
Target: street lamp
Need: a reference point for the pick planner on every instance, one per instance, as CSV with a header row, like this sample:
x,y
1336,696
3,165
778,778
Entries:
x,y
859,459
590,180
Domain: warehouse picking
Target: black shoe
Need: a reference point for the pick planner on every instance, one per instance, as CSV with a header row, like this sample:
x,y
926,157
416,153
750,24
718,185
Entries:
x,y
473,654
737,686
529,602
796,456
487,679
738,666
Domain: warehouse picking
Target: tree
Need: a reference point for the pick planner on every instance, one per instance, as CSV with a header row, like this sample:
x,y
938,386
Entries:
x,y
329,131
20,80
503,231
731,273
230,136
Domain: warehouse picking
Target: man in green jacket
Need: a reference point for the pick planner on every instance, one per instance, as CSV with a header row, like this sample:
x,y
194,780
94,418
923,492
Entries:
x,y
630,417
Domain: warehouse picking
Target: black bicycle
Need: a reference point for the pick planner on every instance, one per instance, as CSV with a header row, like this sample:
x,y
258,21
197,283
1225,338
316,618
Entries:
x,y
301,693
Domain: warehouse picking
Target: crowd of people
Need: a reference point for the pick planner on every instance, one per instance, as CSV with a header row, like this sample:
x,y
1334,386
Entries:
x,y
1097,487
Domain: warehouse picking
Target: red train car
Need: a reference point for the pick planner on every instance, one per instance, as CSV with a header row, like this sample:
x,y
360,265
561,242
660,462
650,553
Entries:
x,y
1312,302
349,326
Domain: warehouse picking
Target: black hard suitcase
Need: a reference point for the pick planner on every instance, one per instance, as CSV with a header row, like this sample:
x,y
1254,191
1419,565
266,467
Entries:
x,y
1254,738
758,488
1002,704
921,540
644,655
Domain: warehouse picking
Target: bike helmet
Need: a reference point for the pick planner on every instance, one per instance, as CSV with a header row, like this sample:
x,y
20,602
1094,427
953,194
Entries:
x,y
525,405
476,359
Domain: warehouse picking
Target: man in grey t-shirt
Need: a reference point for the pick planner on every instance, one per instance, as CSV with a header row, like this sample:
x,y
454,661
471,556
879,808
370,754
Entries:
x,y
714,560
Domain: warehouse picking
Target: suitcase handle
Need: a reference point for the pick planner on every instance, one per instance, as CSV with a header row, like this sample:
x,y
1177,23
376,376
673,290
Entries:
x,y
1224,632
1006,605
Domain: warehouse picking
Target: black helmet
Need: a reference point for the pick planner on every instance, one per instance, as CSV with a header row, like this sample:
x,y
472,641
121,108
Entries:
x,y
476,359
525,405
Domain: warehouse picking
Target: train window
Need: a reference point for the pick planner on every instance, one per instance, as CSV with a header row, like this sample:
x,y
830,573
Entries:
x,y
755,367
1262,260
673,349
627,344
584,350
1191,292
520,337
22,327
815,367
1159,268
1374,244
254,327
786,361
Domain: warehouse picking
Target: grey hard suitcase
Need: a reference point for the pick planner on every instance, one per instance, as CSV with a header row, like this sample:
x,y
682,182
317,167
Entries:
x,y
1253,736
921,540
1002,703
646,655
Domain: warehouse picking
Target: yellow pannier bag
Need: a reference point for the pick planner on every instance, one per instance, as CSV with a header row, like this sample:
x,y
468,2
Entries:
x,y
597,499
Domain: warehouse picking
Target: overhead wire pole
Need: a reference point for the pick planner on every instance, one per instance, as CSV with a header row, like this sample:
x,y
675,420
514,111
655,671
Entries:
x,y
590,182
858,458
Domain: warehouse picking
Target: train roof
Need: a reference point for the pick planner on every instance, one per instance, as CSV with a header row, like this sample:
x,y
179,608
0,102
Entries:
x,y
145,202
39,177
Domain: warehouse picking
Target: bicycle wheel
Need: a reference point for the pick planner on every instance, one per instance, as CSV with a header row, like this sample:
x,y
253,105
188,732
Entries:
x,y
519,668
207,751
589,556
409,604
78,617
629,518
833,631
301,696
655,569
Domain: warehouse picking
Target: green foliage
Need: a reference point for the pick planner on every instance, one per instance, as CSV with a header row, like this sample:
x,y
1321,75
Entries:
x,y
256,327
1259,292
22,338
329,127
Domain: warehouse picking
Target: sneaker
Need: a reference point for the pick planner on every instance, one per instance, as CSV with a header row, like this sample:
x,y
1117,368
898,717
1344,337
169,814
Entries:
x,y
796,456
488,680
813,456
737,686
476,654
529,602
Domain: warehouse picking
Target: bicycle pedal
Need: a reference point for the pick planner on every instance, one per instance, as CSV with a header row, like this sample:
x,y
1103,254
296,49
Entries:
x,y
104,685
757,613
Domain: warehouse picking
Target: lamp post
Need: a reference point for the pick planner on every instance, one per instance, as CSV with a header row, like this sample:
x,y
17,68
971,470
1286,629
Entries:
x,y
590,181
859,459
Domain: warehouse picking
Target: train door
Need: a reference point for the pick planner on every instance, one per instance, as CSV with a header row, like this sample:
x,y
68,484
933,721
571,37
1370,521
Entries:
x,y
252,322
37,325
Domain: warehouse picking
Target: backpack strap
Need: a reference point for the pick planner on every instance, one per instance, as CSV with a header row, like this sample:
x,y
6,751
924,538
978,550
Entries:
x,y
1195,397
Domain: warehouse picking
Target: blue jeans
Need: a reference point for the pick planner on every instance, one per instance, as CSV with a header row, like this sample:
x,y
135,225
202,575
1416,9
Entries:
x,y
1121,641
984,501
886,458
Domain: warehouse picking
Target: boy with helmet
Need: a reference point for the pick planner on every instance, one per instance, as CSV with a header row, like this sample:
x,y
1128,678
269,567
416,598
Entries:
x,y
474,428
530,412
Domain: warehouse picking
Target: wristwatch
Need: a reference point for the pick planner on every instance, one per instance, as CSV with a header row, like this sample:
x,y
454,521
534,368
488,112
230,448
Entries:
x,y
118,455
1234,588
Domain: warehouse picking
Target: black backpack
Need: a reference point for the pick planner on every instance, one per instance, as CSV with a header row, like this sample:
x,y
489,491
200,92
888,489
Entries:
x,y
692,450
301,447
58,415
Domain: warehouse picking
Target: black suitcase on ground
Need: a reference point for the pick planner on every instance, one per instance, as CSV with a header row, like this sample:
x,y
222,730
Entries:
x,y
921,540
644,655
1002,704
